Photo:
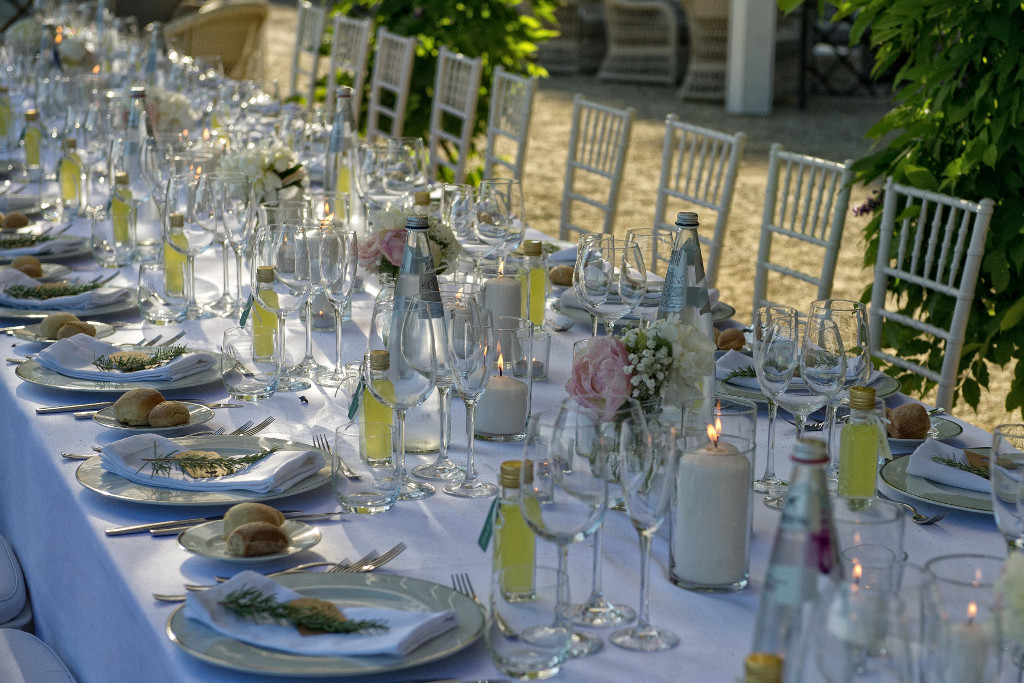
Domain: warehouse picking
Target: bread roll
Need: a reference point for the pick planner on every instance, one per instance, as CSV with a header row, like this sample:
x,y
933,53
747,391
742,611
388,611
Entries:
x,y
316,605
28,264
909,421
52,323
256,538
73,327
731,339
203,472
561,275
14,220
134,406
168,414
244,513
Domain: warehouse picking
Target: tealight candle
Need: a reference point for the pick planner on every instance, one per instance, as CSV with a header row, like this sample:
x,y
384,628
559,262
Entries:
x,y
854,614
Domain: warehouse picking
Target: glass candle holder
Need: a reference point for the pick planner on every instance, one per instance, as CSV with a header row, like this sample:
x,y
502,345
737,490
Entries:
x,y
503,408
541,357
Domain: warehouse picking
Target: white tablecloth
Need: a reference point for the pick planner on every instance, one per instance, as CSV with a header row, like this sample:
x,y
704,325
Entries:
x,y
92,594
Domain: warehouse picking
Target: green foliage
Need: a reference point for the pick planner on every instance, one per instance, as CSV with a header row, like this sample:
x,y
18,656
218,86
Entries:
x,y
492,29
957,127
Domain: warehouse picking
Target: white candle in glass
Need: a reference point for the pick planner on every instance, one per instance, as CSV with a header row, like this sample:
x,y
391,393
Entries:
x,y
503,296
854,614
966,650
501,409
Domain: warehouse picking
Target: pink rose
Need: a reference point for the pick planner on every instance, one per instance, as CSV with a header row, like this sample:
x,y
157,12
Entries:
x,y
599,380
392,244
368,251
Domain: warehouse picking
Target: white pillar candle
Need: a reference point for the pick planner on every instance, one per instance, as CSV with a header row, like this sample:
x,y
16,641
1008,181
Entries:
x,y
503,296
854,614
711,526
966,650
502,407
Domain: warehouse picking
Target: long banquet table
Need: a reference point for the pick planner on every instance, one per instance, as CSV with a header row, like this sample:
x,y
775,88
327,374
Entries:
x,y
92,594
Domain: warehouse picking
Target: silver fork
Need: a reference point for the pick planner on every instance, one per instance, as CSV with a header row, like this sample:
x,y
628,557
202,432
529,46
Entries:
x,y
915,516
462,584
241,430
374,562
321,441
352,567
172,339
151,342
258,428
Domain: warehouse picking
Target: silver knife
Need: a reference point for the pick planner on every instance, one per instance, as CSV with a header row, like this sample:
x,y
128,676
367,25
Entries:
x,y
139,528
309,517
86,414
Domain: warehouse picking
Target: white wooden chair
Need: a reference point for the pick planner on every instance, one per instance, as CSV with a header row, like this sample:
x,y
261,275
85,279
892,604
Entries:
x,y
309,34
389,84
598,141
936,242
508,123
643,41
350,51
453,112
698,172
804,210
229,29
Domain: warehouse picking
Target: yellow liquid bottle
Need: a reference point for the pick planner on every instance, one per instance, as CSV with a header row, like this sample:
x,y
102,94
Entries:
x,y
376,418
6,117
174,260
535,284
514,542
344,179
32,139
264,321
120,207
70,172
859,442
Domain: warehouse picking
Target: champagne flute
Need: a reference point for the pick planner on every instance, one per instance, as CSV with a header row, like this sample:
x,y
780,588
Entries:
x,y
191,196
470,350
307,266
567,496
402,328
338,261
233,195
647,474
764,318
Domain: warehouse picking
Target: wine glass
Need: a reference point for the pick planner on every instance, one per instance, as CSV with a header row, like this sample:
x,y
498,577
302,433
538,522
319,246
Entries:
x,y
764,317
369,173
501,215
277,250
338,261
403,329
594,274
566,498
191,195
470,350
405,166
233,197
307,266
647,474
655,247
458,212
632,284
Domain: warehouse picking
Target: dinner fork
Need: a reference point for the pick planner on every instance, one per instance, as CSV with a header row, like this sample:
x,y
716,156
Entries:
x,y
462,584
258,428
241,430
373,563
173,339
915,516
151,342
323,443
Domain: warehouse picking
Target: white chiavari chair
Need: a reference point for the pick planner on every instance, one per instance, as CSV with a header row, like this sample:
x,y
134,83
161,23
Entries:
x,y
389,84
453,112
306,57
350,52
508,123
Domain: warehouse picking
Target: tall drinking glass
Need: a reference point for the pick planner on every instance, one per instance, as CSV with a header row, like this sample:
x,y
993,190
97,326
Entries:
x,y
233,197
764,318
338,261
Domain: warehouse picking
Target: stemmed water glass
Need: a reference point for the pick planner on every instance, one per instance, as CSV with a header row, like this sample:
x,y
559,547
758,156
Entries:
x,y
609,279
566,498
403,329
405,166
458,212
307,266
647,474
233,196
470,350
338,261
282,248
501,215
192,196
764,318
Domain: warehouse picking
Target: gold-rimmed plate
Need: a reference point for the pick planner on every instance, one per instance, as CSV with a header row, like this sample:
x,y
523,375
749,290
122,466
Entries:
x,y
884,385
206,540
31,332
364,590
197,415
31,371
894,473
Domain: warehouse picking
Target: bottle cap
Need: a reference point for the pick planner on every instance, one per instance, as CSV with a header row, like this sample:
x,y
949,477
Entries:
x,y
264,274
3,89
121,178
176,220
421,198
862,398
416,223
687,219
532,247
510,470
809,451
380,360
138,91
31,114
69,143
762,667
343,91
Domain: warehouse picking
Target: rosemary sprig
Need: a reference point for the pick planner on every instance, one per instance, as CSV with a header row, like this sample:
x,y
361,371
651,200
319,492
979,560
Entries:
x,y
134,364
19,241
965,466
742,372
204,465
50,291
250,603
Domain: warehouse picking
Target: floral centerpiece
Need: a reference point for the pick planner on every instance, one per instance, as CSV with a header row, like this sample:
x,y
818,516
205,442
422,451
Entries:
x,y
272,166
380,251
169,111
665,363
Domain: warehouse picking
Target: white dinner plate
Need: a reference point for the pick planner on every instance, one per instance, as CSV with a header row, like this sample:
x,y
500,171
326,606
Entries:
x,y
82,249
31,332
942,428
894,473
127,304
884,386
51,271
206,540
721,311
197,415
345,590
92,475
31,371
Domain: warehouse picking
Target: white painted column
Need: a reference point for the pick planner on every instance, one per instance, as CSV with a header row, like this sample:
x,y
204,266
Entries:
x,y
750,65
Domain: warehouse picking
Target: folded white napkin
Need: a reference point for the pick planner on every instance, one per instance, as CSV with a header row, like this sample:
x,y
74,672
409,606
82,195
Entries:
x,y
564,256
406,630
277,472
51,247
735,360
922,465
73,357
97,297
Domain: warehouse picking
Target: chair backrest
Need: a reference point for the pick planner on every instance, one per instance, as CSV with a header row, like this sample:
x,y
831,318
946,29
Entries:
x,y
508,123
389,84
642,41
453,112
350,51
698,172
937,244
598,141
229,29
805,209
306,58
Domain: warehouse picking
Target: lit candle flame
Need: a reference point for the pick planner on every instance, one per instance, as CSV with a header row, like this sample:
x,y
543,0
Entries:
x,y
206,134
713,434
972,612
96,69
184,132
501,361
199,172
858,571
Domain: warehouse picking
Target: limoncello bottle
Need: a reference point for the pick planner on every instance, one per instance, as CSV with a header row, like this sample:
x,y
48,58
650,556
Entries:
x,y
174,260
6,118
535,284
515,544
71,173
860,443
121,206
375,418
31,140
264,321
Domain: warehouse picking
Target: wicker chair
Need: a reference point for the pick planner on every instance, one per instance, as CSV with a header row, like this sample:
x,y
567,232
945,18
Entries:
x,y
229,29
708,22
580,42
643,41
350,52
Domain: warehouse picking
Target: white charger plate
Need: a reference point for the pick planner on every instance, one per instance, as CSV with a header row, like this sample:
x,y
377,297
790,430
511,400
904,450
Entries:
x,y
31,332
51,271
31,371
83,249
942,428
206,540
197,415
894,473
